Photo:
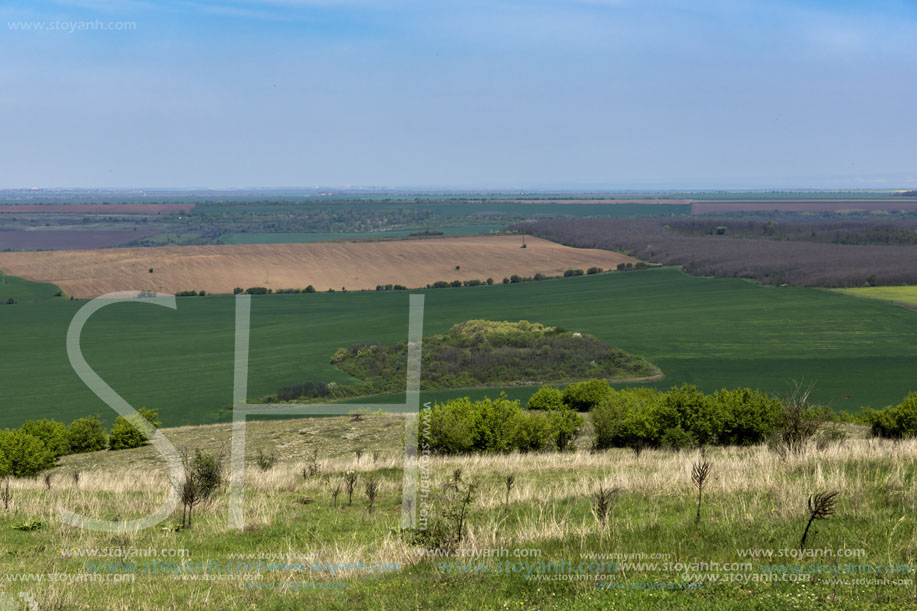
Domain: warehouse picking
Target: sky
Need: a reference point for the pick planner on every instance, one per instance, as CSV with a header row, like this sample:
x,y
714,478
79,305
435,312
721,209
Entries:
x,y
464,94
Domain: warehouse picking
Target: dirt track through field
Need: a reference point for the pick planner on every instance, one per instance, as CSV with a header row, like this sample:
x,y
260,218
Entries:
x,y
354,265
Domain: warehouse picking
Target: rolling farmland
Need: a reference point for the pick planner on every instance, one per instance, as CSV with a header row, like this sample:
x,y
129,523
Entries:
x,y
364,265
709,332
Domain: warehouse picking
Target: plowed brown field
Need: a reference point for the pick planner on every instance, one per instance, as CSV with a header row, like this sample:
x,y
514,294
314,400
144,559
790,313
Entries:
x,y
354,265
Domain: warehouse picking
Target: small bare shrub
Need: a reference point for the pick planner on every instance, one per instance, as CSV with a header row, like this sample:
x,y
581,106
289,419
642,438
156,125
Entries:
x,y
313,467
350,478
265,461
509,481
47,479
700,471
602,501
821,506
372,489
336,488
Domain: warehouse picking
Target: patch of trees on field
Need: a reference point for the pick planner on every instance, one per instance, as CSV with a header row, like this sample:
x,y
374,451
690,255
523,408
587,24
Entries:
x,y
38,444
771,261
478,353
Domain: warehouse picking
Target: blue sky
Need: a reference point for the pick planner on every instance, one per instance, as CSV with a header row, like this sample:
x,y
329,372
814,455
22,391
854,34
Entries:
x,y
586,94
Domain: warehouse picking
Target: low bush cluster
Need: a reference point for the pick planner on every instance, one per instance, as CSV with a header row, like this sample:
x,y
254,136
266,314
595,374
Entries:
x,y
683,417
37,444
463,426
895,422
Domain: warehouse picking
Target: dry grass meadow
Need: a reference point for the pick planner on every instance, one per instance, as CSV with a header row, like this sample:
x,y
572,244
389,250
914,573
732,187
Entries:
x,y
755,499
353,265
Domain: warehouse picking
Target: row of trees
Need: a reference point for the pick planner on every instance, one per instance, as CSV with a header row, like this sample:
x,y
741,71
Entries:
x,y
38,444
635,417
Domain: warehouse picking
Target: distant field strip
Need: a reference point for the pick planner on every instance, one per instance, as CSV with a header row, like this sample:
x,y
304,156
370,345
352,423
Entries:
x,y
897,294
362,265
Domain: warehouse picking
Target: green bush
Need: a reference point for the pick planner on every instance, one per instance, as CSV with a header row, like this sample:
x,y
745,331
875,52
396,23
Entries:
x,y
125,435
676,438
684,416
748,416
23,455
583,396
498,425
546,398
52,434
895,422
532,432
566,425
86,435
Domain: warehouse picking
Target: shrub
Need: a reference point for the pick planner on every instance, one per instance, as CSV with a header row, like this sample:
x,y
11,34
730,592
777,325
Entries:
x,y
461,426
52,434
304,389
86,435
532,432
630,418
594,270
566,425
748,416
309,289
695,413
583,396
256,290
23,455
237,291
676,438
546,398
125,435
573,272
895,422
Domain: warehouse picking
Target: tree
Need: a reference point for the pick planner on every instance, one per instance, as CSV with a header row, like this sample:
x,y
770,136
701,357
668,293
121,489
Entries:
x,y
202,475
86,435
52,434
124,434
24,455
546,398
583,396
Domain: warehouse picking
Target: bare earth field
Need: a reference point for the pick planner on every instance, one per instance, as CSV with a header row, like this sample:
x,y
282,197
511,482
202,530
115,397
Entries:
x,y
355,265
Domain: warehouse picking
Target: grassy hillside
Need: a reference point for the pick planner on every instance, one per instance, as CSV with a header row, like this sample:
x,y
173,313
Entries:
x,y
904,295
24,291
708,332
300,549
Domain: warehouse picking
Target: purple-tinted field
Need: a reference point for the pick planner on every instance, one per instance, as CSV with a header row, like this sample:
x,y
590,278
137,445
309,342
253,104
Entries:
x,y
68,240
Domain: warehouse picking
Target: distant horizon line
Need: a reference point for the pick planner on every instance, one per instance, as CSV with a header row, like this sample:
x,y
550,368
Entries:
x,y
447,189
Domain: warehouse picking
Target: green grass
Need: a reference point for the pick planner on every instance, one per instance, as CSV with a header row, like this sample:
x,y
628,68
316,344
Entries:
x,y
710,332
905,295
25,291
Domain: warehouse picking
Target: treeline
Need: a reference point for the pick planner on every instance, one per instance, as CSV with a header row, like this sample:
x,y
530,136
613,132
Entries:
x,y
641,418
38,444
764,259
